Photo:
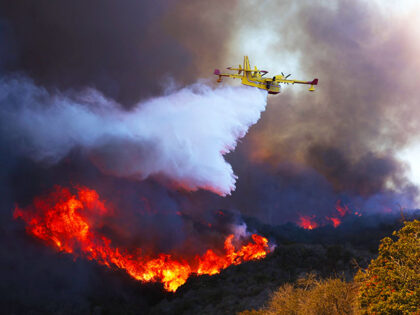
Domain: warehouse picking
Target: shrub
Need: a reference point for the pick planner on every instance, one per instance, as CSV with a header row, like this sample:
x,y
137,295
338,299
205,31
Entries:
x,y
311,296
391,283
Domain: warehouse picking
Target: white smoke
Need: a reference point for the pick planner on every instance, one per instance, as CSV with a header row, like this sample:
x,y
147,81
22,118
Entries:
x,y
181,136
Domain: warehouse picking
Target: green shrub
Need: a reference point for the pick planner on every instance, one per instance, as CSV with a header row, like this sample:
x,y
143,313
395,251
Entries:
x,y
391,283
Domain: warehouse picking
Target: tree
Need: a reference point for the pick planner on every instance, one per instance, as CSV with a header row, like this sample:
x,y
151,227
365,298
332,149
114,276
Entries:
x,y
391,283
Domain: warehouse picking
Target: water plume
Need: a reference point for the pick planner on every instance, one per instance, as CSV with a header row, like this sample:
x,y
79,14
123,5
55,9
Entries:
x,y
181,137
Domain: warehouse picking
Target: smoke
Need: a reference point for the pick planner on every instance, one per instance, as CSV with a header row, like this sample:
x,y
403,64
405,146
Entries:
x,y
363,109
123,50
343,140
181,136
346,135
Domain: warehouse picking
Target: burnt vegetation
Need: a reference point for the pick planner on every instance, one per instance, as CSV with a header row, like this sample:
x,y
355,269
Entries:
x,y
46,282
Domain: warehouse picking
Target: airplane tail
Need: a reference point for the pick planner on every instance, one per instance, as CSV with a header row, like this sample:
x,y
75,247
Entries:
x,y
246,63
217,72
314,82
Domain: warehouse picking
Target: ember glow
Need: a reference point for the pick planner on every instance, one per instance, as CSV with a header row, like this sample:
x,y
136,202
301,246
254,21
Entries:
x,y
66,221
312,222
307,222
335,221
342,210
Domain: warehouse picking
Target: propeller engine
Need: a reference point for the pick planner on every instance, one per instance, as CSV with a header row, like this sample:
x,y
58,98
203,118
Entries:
x,y
286,76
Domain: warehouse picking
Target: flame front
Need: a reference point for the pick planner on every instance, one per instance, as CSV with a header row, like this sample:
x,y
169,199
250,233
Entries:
x,y
307,222
342,210
64,221
335,221
312,222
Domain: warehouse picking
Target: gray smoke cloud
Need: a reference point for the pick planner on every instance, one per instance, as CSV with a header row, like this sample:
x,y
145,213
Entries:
x,y
365,108
348,132
125,50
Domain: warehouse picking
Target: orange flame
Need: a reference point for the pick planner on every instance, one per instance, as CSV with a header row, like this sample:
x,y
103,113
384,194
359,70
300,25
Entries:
x,y
342,210
335,221
307,222
63,220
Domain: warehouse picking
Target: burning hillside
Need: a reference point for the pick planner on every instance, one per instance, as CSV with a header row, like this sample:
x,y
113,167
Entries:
x,y
67,222
312,222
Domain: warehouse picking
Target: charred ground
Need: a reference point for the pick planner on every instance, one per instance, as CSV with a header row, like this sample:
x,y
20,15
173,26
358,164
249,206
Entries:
x,y
46,282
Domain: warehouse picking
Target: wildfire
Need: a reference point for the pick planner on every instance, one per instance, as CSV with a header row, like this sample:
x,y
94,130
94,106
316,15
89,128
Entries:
x,y
335,221
307,222
63,220
342,210
311,222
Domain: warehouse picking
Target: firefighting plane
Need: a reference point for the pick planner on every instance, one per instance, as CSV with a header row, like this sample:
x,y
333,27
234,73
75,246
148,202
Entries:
x,y
254,77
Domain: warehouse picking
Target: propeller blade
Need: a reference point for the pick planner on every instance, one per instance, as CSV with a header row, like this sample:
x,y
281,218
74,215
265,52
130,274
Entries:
x,y
288,76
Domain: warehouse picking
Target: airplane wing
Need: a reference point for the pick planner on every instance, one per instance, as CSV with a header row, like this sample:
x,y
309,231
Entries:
x,y
240,69
311,83
229,75
256,71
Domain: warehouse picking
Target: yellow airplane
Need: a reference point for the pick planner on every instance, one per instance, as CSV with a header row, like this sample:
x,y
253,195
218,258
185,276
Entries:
x,y
254,77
